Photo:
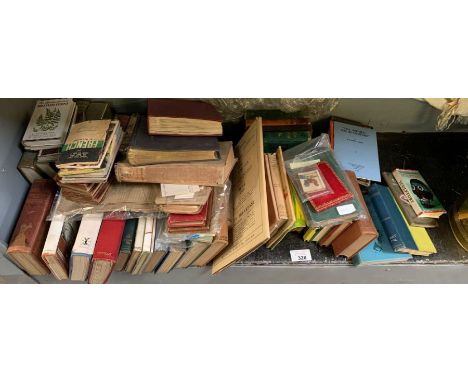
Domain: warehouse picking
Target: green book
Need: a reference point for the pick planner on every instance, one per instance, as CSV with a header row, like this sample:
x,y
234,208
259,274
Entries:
x,y
126,246
286,139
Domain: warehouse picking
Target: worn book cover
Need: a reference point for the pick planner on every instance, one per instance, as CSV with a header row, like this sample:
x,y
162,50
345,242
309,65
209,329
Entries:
x,y
83,247
183,117
380,250
149,149
203,173
391,219
148,245
50,120
86,144
137,244
356,149
405,205
31,228
106,250
273,216
53,254
250,212
423,200
126,246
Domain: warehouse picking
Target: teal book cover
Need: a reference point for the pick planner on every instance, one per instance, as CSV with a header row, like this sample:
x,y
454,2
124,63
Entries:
x,y
128,236
356,149
391,219
380,250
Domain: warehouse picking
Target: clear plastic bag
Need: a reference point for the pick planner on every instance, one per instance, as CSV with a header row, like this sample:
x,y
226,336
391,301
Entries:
x,y
305,158
233,109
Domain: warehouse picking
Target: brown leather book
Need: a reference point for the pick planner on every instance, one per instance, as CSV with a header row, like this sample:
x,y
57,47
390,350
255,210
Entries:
x,y
359,233
183,117
202,173
154,261
31,229
333,234
197,248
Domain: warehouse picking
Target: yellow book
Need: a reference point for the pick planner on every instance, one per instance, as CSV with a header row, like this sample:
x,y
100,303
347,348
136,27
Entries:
x,y
300,218
309,234
420,236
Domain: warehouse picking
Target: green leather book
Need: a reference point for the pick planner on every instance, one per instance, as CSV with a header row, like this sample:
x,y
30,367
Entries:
x,y
126,246
286,139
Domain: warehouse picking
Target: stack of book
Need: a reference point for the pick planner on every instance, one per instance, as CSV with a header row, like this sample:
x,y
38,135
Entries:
x,y
86,159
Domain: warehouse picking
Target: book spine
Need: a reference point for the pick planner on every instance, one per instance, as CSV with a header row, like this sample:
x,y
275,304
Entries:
x,y
417,210
389,225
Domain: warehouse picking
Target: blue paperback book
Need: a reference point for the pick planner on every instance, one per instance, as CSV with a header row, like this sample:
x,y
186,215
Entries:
x,y
380,250
356,149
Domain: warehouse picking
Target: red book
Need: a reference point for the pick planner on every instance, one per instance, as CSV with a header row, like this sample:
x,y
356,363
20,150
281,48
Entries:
x,y
339,193
184,220
106,250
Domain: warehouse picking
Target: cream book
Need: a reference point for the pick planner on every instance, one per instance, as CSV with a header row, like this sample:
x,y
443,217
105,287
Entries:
x,y
250,226
83,249
194,252
137,245
53,253
289,206
49,123
148,243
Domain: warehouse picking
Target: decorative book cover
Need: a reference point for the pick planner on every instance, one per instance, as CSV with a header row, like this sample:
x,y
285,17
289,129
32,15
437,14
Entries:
x,y
356,149
50,119
339,193
183,220
85,142
422,198
404,204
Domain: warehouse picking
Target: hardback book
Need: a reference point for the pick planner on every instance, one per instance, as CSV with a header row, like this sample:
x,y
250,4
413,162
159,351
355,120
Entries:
x,y
148,245
360,233
310,233
27,166
97,111
323,231
56,251
333,233
174,255
137,244
277,120
459,228
129,130
49,123
289,224
196,220
379,250
156,258
149,149
391,219
183,117
423,200
355,147
83,247
84,193
31,229
273,216
203,173
250,225
195,250
338,191
126,247
106,250
424,244
277,187
284,139
405,205
220,241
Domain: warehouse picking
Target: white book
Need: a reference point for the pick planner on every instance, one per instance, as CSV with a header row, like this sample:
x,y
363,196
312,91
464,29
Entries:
x,y
87,235
50,121
137,244
53,236
148,243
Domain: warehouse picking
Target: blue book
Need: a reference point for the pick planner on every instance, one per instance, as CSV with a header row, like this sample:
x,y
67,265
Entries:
x,y
391,219
356,149
380,250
